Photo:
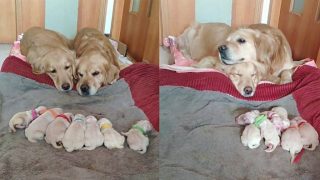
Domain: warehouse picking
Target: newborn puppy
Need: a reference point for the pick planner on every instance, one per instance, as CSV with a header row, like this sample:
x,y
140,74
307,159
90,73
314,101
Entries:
x,y
92,136
291,140
22,119
268,132
56,130
309,136
112,139
136,136
37,129
248,117
251,136
279,117
73,139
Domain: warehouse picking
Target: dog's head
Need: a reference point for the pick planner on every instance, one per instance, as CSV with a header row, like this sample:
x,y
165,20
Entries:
x,y
258,43
94,70
58,63
245,78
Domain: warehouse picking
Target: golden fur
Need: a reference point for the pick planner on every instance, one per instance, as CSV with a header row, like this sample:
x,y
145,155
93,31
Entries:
x,y
96,63
48,52
202,39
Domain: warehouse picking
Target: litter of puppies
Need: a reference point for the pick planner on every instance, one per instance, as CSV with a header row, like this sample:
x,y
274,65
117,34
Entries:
x,y
276,129
78,132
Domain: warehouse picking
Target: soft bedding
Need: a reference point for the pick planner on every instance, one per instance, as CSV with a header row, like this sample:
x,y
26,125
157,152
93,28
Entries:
x,y
199,136
123,103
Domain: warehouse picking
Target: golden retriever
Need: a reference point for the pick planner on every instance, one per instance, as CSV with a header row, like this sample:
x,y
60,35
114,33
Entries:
x,y
96,63
262,45
202,39
245,76
48,52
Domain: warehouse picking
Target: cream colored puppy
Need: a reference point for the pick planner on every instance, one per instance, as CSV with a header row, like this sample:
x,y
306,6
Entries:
x,y
73,139
279,117
268,132
248,117
56,130
136,136
37,129
251,136
92,136
21,120
291,140
309,136
112,139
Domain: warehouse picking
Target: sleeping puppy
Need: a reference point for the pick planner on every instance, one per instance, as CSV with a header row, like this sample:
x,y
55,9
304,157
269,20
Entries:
x,y
137,136
21,120
112,139
48,52
96,63
247,118
291,140
268,132
73,138
92,136
279,118
262,45
55,131
251,136
37,129
309,136
202,39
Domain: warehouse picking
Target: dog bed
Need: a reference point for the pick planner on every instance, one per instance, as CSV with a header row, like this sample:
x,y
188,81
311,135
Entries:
x,y
133,97
199,136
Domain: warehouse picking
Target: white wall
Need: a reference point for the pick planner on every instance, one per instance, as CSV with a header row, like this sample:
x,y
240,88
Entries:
x,y
213,11
107,29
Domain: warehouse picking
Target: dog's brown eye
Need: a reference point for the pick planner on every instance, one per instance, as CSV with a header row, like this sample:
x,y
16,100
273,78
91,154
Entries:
x,y
241,40
95,73
53,71
80,74
67,67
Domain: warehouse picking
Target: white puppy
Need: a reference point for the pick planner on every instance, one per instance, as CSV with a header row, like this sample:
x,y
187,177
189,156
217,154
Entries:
x,y
291,140
56,130
73,139
112,139
136,136
92,136
268,132
309,136
279,117
37,129
251,136
21,120
248,117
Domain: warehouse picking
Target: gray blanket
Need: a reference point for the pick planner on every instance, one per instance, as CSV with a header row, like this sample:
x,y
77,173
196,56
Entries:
x,y
20,159
200,139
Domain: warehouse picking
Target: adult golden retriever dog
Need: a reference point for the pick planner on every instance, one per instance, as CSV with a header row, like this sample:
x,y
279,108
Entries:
x,y
48,52
96,63
262,45
202,39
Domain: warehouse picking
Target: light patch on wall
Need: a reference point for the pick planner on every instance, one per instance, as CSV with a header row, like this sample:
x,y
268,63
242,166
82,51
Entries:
x,y
109,14
213,11
62,16
265,11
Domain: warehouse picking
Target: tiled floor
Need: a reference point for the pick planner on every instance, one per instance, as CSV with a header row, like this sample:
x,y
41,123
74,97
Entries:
x,y
4,52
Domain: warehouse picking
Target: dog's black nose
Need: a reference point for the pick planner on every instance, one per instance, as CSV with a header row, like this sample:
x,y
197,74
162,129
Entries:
x,y
222,48
65,86
248,90
84,89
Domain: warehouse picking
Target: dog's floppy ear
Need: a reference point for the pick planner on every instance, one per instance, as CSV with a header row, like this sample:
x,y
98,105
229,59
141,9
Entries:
x,y
112,73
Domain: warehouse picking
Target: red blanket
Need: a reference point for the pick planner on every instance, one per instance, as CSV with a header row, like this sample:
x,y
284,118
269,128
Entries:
x,y
305,89
142,79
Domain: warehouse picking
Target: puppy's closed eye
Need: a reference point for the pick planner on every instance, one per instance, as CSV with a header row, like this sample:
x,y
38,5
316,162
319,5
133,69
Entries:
x,y
67,67
53,71
95,73
80,74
